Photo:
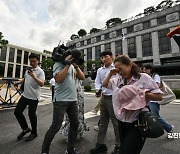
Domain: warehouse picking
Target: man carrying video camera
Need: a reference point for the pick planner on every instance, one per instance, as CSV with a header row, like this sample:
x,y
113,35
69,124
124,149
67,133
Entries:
x,y
65,97
33,81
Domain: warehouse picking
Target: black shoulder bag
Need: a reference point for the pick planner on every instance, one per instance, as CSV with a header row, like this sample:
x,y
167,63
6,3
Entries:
x,y
149,125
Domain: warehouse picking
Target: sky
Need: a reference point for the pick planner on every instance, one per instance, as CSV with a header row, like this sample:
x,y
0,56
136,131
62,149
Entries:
x,y
41,24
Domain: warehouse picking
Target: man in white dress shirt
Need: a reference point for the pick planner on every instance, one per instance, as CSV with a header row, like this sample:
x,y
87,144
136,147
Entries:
x,y
106,109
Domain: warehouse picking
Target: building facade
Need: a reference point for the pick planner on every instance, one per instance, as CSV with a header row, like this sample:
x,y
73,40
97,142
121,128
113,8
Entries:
x,y
145,39
14,60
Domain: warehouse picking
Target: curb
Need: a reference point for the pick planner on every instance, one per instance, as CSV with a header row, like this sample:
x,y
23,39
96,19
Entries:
x,y
86,93
176,101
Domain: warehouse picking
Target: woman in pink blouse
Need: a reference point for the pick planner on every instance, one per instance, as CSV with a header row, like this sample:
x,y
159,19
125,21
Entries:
x,y
129,100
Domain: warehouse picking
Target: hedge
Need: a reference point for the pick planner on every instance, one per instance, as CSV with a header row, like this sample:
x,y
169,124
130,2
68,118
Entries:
x,y
87,88
177,93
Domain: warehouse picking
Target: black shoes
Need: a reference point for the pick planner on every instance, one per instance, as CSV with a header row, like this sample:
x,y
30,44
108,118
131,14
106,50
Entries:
x,y
100,148
116,150
31,137
72,151
23,133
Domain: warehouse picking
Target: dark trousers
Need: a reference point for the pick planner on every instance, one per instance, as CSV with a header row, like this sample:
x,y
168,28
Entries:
x,y
132,141
59,109
52,92
22,104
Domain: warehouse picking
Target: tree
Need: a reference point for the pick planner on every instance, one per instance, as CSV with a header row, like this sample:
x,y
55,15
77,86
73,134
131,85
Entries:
x,y
94,30
82,32
113,22
3,42
74,36
47,64
95,63
149,10
164,5
92,67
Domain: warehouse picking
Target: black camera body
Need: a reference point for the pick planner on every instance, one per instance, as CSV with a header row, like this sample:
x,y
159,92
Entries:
x,y
61,52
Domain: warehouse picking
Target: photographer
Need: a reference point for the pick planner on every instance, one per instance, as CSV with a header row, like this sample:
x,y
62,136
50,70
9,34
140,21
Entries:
x,y
33,81
65,98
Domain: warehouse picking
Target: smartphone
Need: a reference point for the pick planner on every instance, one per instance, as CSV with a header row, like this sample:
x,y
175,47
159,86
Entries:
x,y
29,69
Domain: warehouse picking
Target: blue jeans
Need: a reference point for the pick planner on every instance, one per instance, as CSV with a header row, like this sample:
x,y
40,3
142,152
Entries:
x,y
60,108
155,108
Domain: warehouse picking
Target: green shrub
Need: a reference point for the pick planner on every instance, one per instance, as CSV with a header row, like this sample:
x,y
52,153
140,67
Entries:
x,y
46,83
177,93
87,88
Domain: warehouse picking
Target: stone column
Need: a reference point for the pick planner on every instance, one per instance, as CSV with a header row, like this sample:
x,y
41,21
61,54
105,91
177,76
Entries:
x,y
22,64
125,47
139,47
113,49
14,65
7,59
155,49
102,48
93,53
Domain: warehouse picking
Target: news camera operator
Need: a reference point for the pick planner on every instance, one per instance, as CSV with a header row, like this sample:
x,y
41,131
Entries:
x,y
33,81
64,71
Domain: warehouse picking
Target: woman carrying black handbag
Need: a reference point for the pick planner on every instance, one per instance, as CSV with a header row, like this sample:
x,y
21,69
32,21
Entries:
x,y
132,91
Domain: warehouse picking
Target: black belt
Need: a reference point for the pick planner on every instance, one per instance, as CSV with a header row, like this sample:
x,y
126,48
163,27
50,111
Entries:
x,y
107,96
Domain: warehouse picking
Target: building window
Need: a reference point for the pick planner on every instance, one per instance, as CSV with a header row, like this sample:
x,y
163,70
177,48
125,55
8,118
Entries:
x,y
18,69
19,55
161,20
97,52
24,70
107,47
164,42
11,55
130,29
89,54
3,54
82,53
2,68
98,38
118,47
26,57
146,24
89,41
39,56
82,43
106,36
132,47
119,32
10,70
147,45
43,57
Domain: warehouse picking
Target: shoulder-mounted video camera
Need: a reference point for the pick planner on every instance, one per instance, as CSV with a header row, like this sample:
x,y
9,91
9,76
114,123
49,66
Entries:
x,y
61,52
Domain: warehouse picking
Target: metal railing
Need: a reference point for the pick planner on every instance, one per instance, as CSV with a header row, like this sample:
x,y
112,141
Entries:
x,y
12,93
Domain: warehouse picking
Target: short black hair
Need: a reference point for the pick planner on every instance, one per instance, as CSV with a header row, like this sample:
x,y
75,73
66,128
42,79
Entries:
x,y
33,55
148,66
104,53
